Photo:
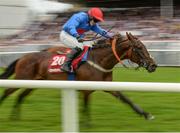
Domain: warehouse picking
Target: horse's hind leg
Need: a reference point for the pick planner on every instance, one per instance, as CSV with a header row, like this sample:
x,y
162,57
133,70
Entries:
x,y
6,93
16,109
135,107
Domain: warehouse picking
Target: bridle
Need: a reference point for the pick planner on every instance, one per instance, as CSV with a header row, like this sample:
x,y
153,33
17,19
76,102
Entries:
x,y
127,53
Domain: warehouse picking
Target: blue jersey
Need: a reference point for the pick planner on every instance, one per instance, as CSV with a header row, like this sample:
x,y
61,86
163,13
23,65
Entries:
x,y
79,23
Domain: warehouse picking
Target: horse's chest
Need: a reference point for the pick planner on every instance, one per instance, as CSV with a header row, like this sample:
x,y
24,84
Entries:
x,y
107,77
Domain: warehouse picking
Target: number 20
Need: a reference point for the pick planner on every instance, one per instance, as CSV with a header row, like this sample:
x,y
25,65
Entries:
x,y
58,60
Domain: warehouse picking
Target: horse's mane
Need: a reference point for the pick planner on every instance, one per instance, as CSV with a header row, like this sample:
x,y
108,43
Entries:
x,y
102,43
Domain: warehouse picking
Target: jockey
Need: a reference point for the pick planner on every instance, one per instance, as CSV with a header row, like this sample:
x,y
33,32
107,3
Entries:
x,y
74,29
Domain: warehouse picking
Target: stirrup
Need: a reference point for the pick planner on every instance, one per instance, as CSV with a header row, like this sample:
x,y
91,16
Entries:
x,y
66,68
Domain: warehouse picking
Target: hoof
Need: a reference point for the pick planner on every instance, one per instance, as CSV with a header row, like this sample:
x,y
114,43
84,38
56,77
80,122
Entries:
x,y
149,117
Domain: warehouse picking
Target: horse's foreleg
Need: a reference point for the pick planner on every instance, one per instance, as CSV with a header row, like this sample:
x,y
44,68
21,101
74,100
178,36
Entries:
x,y
6,93
135,107
86,111
20,99
86,97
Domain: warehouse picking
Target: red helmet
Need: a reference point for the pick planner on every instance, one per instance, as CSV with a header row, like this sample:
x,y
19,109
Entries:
x,y
96,13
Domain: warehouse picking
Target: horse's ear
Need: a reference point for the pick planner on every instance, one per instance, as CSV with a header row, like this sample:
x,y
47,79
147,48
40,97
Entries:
x,y
131,37
128,36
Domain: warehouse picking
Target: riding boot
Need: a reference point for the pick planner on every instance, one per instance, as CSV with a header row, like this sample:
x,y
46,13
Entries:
x,y
70,56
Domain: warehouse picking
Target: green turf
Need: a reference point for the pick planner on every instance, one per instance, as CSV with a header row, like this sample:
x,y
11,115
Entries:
x,y
41,110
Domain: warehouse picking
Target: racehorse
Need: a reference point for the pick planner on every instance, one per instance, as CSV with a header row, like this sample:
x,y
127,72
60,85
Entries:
x,y
101,59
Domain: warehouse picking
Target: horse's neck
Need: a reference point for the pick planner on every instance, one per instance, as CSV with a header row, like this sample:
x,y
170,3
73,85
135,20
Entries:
x,y
103,57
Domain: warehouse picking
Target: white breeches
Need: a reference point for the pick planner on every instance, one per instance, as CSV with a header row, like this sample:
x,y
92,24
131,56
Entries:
x,y
72,42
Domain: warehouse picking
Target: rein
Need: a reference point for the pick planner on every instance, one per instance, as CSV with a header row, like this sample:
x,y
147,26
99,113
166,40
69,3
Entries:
x,y
113,44
114,50
96,36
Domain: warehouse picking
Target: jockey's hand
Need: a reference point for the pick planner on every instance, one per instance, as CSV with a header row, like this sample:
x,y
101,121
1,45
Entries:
x,y
110,35
79,39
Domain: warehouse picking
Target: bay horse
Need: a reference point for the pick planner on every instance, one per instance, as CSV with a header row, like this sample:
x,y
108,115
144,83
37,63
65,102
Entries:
x,y
100,61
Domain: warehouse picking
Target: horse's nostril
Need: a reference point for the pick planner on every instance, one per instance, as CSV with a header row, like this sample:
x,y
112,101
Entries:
x,y
151,68
154,66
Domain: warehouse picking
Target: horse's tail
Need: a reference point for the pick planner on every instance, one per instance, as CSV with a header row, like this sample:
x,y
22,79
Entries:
x,y
9,70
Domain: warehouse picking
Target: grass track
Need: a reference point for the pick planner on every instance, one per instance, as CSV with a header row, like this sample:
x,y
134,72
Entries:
x,y
41,111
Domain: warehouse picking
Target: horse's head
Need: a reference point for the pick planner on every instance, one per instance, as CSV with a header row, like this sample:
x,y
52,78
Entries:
x,y
138,53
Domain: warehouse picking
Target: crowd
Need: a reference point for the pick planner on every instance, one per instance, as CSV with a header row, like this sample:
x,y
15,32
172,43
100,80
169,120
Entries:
x,y
145,23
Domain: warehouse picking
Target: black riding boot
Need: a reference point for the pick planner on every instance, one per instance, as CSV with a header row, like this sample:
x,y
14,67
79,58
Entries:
x,y
70,56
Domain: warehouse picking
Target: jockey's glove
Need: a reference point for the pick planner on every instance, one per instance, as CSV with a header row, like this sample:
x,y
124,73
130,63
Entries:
x,y
109,35
79,39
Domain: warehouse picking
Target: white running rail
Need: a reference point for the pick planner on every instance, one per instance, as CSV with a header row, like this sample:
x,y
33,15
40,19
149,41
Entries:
x,y
69,96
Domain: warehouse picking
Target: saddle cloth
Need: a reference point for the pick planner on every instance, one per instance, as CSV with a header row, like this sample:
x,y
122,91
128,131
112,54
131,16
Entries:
x,y
56,62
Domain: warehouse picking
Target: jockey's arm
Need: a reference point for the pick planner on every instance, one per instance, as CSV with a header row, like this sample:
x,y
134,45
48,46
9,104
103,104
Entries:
x,y
70,26
96,28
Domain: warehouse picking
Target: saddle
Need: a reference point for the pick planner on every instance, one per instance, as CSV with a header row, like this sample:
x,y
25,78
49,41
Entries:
x,y
57,60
